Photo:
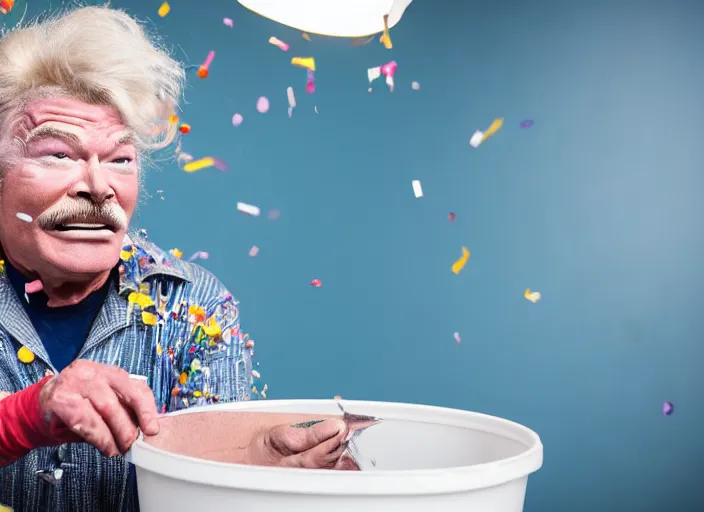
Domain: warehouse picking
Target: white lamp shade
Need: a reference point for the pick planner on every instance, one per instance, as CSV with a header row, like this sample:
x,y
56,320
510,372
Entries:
x,y
336,18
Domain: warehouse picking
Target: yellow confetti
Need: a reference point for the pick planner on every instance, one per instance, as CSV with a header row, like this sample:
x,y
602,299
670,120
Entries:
x,y
532,296
173,119
25,355
494,127
385,39
177,253
304,62
126,255
212,328
197,165
159,349
141,299
183,378
2,265
197,394
164,9
148,318
460,263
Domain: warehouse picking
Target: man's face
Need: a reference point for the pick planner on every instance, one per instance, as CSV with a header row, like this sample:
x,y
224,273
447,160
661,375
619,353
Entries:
x,y
78,181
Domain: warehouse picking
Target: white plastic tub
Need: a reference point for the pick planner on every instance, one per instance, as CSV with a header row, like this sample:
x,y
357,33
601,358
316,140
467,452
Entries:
x,y
427,459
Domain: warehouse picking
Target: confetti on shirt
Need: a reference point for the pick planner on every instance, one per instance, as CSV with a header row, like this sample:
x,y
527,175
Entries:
x,y
228,22
532,296
460,263
254,251
667,408
262,105
417,188
164,9
527,123
24,217
237,119
248,209
278,43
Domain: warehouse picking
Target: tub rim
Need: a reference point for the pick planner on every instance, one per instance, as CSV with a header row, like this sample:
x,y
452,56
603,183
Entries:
x,y
367,483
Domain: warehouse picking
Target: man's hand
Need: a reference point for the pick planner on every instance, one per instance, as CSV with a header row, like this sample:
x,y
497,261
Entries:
x,y
318,446
101,404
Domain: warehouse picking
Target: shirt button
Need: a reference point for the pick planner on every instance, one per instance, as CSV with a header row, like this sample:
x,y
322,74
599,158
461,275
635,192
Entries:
x,y
52,476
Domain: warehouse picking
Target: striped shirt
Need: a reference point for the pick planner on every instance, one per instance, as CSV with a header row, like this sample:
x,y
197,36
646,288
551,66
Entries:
x,y
165,319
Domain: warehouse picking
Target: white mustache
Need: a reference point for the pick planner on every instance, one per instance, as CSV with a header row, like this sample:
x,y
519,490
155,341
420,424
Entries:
x,y
84,212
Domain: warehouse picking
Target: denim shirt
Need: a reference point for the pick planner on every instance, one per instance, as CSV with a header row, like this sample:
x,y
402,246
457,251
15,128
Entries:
x,y
165,319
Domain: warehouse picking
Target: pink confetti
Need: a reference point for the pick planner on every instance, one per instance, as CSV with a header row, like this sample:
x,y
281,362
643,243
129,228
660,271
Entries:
x,y
237,119
219,164
228,22
279,43
457,337
316,283
200,255
274,214
33,287
262,105
254,251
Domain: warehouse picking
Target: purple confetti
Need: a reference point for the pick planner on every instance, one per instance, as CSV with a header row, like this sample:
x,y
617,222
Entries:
x,y
228,22
262,105
527,123
667,408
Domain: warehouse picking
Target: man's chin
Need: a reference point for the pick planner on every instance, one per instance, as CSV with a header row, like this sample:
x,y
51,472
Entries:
x,y
80,256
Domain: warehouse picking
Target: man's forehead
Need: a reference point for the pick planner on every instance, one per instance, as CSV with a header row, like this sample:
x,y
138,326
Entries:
x,y
77,134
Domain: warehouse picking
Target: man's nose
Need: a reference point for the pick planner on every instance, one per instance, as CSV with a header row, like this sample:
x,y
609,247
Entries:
x,y
94,185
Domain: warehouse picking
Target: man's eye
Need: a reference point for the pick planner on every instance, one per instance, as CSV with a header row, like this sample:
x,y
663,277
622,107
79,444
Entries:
x,y
60,156
122,161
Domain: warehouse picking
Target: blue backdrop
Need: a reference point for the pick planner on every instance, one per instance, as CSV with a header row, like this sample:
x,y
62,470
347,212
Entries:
x,y
597,206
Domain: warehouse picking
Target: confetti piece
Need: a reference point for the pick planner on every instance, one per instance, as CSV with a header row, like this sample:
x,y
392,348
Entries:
x,y
457,337
337,397
24,217
262,105
33,287
237,119
184,128
389,70
385,39
316,283
200,255
176,253
203,70
310,82
278,43
164,9
6,6
274,214
460,263
494,127
476,139
305,36
304,62
254,251
228,22
219,164
667,408
527,123
256,374
532,296
415,86
451,216
173,119
315,109
197,165
182,158
248,209
417,188
291,100
25,355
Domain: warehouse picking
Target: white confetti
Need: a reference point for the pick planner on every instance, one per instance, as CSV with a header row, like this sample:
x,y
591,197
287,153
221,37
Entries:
x,y
24,217
291,101
254,251
476,139
415,86
248,209
417,189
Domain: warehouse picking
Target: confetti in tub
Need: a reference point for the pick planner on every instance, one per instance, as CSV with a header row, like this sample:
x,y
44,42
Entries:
x,y
254,251
200,255
237,119
417,188
164,9
228,22
248,209
204,69
532,296
457,337
667,408
24,217
460,263
291,100
279,43
262,105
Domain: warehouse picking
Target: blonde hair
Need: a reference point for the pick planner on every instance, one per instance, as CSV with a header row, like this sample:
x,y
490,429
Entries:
x,y
98,55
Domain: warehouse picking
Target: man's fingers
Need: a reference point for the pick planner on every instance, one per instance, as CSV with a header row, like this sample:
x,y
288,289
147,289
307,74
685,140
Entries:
x,y
107,404
138,398
346,463
85,421
293,440
322,456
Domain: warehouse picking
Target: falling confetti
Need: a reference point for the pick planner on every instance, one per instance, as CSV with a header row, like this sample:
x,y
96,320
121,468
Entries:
x,y
254,251
305,36
337,397
228,22
185,128
6,6
385,39
457,337
256,374
278,43
415,86
200,255
197,165
248,209
183,158
237,119
291,100
317,283
527,123
417,188
451,216
164,9
24,217
460,263
262,105
494,127
310,82
315,109
388,70
204,69
304,62
274,214
667,408
476,139
532,296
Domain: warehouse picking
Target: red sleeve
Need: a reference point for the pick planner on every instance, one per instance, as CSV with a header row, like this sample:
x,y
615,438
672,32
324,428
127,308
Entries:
x,y
22,428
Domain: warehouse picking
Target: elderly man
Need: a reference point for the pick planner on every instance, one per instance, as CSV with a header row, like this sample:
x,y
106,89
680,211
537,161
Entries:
x,y
83,99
